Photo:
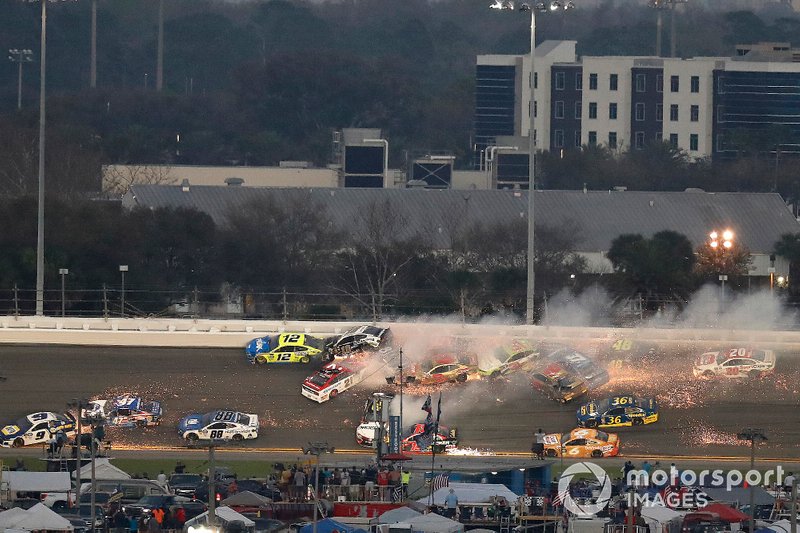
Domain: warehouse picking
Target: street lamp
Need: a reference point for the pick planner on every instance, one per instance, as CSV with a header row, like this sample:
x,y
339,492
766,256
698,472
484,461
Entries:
x,y
508,5
660,5
122,270
317,448
63,272
20,56
753,435
720,242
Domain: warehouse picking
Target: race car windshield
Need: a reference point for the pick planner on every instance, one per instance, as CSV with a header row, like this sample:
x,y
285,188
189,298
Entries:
x,y
602,436
314,342
320,379
243,419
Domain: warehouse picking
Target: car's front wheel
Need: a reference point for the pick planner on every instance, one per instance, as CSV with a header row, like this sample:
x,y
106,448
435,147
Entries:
x,y
591,423
238,438
305,359
261,359
597,453
18,443
638,421
550,452
192,437
461,378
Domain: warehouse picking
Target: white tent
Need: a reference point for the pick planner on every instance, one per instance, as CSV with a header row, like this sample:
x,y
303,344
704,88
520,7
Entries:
x,y
103,470
434,523
781,526
473,493
38,517
224,514
401,514
36,481
662,519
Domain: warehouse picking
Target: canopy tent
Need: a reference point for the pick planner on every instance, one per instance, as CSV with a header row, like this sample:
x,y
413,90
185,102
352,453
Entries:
x,y
246,498
472,493
781,526
726,513
330,525
401,514
39,517
434,523
662,519
226,515
103,469
738,496
36,481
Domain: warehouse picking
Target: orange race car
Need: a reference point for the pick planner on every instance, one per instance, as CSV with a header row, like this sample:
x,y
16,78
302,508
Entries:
x,y
581,442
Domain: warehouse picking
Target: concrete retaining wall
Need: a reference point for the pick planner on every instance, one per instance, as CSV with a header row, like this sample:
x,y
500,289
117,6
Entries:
x,y
197,333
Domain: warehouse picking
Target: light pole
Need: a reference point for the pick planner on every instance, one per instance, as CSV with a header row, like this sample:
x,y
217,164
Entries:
x,y
317,449
20,56
160,58
93,66
63,273
753,435
660,5
78,405
720,242
122,270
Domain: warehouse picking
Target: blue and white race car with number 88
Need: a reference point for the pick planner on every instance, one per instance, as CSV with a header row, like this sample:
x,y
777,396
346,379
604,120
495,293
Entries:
x,y
219,425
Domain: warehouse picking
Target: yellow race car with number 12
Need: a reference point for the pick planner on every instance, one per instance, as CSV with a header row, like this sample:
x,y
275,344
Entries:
x,y
284,348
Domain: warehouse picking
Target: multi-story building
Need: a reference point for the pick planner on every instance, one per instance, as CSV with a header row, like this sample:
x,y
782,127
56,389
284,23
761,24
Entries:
x,y
700,105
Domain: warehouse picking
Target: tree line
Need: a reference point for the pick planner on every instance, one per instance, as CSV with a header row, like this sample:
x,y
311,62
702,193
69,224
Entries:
x,y
368,271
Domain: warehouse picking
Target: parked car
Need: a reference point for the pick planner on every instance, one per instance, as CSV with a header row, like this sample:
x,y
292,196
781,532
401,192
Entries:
x,y
185,484
146,504
259,487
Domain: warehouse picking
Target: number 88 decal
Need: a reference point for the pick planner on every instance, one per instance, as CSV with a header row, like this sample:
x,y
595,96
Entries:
x,y
216,434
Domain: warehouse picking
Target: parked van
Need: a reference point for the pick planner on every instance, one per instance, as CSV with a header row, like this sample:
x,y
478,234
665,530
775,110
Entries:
x,y
132,489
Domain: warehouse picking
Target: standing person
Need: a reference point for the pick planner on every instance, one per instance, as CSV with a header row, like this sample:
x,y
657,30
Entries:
x,y
161,478
133,524
451,504
344,482
180,517
120,521
233,488
153,526
538,444
405,478
158,515
299,485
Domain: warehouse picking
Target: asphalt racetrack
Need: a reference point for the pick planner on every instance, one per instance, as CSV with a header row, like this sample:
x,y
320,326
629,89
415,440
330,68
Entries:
x,y
698,417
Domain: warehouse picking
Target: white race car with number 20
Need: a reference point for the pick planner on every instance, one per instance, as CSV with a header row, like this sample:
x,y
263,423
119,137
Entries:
x,y
219,425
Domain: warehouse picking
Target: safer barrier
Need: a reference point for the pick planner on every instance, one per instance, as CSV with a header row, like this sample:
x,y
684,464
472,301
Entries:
x,y
202,333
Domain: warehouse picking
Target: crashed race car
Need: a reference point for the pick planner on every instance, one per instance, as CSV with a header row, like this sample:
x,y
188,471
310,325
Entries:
x,y
444,440
521,355
284,348
219,425
35,428
124,411
734,363
582,443
558,383
592,373
332,380
359,338
618,411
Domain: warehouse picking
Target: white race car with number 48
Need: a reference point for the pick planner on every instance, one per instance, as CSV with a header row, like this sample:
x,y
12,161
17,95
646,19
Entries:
x,y
219,425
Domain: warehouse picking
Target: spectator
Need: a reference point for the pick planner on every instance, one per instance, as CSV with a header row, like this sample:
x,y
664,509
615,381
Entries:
x,y
451,504
405,478
153,526
158,514
180,517
538,444
120,521
788,481
180,468
299,485
394,477
233,488
133,524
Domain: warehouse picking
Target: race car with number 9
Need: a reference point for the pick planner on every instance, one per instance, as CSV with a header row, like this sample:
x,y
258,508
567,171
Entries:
x,y
219,425
284,348
36,428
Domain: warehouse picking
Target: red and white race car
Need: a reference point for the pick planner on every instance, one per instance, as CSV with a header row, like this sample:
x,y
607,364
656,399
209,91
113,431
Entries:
x,y
734,363
332,380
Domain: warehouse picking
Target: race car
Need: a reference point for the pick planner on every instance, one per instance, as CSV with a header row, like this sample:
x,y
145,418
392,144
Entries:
x,y
357,339
370,419
628,352
734,363
444,440
124,411
618,411
284,348
332,380
582,442
219,425
519,356
454,372
593,374
36,428
558,383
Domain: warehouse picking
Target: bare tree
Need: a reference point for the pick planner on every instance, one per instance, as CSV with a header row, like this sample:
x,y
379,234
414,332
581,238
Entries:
x,y
117,179
377,257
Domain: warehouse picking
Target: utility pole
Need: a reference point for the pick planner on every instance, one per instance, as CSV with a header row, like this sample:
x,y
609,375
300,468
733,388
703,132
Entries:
x,y
93,66
752,435
317,449
20,57
160,59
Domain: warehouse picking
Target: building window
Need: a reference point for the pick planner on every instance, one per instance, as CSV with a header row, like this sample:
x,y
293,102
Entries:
x,y
673,140
559,81
720,109
577,138
673,112
674,84
535,109
612,111
578,81
695,84
592,82
612,139
659,112
639,140
659,83
693,142
613,82
578,110
641,83
720,142
558,138
535,80
592,109
659,136
592,138
559,109
639,112
694,113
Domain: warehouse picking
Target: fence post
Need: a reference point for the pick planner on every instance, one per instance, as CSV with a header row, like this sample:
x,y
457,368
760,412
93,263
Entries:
x,y
105,301
285,309
16,301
